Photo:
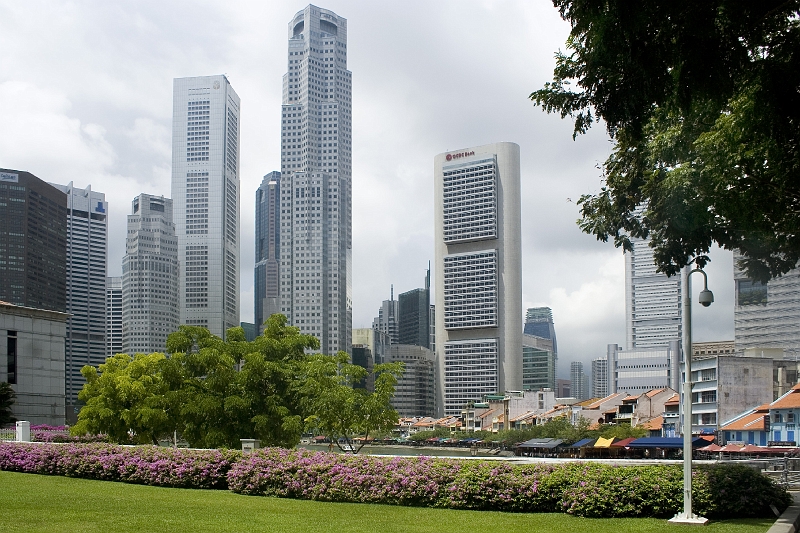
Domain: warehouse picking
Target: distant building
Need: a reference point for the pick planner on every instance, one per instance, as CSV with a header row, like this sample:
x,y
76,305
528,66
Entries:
x,y
653,310
267,288
32,346
413,315
250,331
600,378
414,394
362,356
578,381
113,316
637,371
33,242
563,389
538,363
87,251
539,323
377,341
150,280
767,315
703,349
386,321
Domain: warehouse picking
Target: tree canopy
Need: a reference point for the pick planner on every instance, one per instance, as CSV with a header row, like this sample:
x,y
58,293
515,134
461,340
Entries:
x,y
702,101
214,392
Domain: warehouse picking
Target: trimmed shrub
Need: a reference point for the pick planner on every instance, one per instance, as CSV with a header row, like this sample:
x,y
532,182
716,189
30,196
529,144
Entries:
x,y
579,488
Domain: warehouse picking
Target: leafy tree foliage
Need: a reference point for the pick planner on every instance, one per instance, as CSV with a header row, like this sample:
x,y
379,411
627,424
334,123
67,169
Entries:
x,y
7,398
702,100
341,411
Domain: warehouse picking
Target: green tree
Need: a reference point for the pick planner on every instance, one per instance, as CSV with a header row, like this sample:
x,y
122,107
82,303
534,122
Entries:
x,y
125,398
340,411
702,101
7,399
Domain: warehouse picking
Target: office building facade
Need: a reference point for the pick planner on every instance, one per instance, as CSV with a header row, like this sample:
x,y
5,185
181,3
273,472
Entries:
x,y
414,393
414,315
268,242
578,381
539,323
113,315
478,274
33,242
205,195
87,251
653,310
387,320
316,180
767,315
150,276
637,371
538,363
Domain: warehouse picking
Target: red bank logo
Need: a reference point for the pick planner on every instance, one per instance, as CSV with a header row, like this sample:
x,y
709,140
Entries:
x,y
450,157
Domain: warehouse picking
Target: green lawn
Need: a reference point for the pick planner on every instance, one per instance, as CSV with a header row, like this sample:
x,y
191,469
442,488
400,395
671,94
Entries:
x,y
47,503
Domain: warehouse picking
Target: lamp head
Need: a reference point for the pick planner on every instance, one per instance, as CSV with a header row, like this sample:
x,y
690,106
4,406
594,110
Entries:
x,y
706,297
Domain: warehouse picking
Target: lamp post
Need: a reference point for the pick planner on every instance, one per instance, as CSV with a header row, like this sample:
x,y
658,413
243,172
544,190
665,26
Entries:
x,y
705,299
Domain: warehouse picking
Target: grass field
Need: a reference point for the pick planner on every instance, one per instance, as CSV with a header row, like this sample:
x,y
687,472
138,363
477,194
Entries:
x,y
34,503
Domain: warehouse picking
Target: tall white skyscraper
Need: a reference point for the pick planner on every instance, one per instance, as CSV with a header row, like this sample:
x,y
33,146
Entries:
x,y
478,274
149,276
205,194
653,310
316,180
87,250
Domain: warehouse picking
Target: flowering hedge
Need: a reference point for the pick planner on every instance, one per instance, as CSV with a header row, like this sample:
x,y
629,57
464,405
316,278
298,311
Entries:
x,y
579,488
145,465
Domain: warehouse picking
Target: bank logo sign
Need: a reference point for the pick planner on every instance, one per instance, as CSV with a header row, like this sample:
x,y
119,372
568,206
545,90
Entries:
x,y
9,177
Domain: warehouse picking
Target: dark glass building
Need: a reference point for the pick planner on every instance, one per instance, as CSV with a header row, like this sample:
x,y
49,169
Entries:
x,y
414,315
267,270
539,323
33,242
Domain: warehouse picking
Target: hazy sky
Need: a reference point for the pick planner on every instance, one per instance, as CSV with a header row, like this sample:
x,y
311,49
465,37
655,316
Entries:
x,y
86,96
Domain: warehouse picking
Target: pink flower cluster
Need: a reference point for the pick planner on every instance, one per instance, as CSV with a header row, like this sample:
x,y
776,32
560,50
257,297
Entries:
x,y
146,465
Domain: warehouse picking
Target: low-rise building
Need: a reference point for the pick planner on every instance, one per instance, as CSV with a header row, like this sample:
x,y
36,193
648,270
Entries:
x,y
32,361
749,427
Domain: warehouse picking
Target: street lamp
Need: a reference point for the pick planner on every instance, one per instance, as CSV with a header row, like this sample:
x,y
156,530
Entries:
x,y
705,299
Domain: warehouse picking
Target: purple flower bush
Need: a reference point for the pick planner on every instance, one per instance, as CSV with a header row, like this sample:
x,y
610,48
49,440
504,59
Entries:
x,y
45,433
579,488
145,465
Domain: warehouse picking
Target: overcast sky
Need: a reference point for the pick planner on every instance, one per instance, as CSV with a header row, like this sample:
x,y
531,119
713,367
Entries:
x,y
86,96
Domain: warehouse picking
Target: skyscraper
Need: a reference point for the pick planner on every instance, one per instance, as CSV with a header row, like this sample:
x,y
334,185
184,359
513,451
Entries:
x,y
386,321
578,381
87,250
268,241
478,274
205,192
767,315
150,310
653,310
113,315
33,242
414,315
539,323
316,180
600,378
538,363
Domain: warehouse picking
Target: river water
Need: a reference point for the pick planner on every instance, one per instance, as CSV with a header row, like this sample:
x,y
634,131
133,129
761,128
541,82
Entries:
x,y
429,451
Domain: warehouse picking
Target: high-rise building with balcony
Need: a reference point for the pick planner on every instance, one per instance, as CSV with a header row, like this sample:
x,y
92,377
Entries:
x,y
478,269
205,195
87,250
268,241
150,310
316,180
33,242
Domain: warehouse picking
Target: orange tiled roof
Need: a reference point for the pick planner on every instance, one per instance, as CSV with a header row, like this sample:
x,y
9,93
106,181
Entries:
x,y
524,416
653,392
630,398
751,422
789,400
674,399
654,423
